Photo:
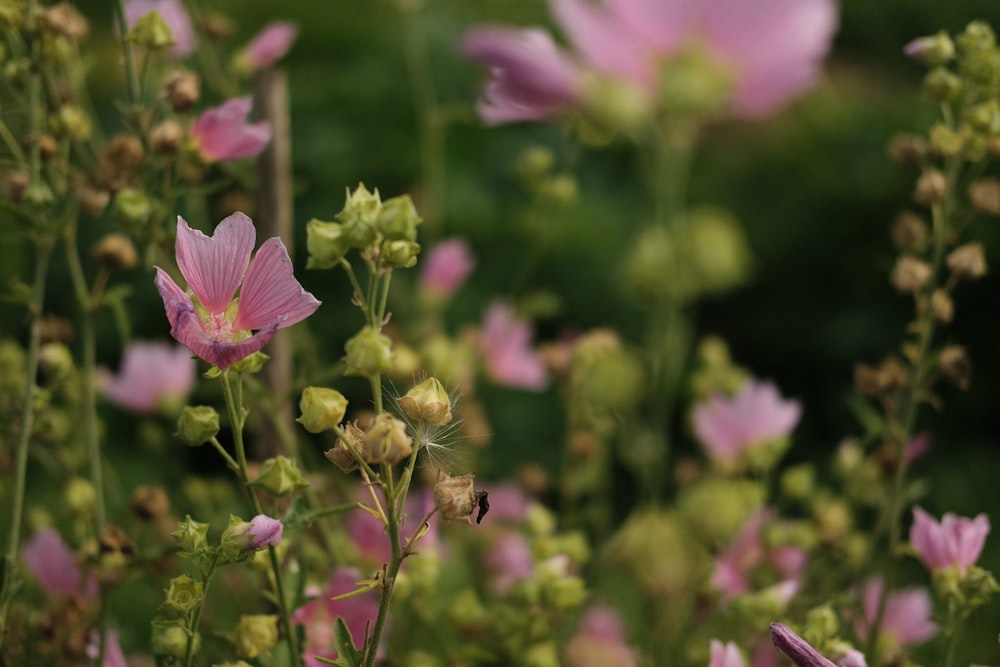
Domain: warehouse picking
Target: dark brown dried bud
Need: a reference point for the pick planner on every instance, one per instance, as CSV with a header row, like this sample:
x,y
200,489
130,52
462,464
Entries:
x,y
15,185
116,252
64,19
113,540
455,497
942,307
907,149
183,90
910,275
120,160
909,232
165,138
150,502
94,200
341,455
56,329
956,366
889,376
931,187
48,147
984,195
968,261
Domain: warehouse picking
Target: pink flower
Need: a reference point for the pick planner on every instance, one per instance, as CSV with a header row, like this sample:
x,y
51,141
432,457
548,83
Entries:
x,y
223,133
508,502
600,640
269,45
370,537
446,267
747,553
505,345
725,655
151,374
319,614
174,15
756,415
113,655
907,617
796,648
215,267
509,560
531,77
954,542
264,531
54,566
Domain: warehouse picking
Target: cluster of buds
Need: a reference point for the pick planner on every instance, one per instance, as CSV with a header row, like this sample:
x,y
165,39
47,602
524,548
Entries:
x,y
385,233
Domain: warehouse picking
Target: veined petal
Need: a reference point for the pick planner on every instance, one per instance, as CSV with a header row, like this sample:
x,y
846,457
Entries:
x,y
214,265
191,333
175,300
602,39
271,295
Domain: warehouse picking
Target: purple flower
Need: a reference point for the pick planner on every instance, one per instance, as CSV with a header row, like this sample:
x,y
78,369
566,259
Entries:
x,y
906,620
506,349
174,15
264,531
796,648
215,267
269,45
725,655
756,415
446,267
954,542
223,133
319,614
151,374
531,78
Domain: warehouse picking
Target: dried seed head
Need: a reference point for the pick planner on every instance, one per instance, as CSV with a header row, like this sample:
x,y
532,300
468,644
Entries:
x,y
386,441
956,366
182,90
907,149
165,138
984,195
116,251
910,275
150,502
64,19
968,261
909,232
455,497
942,307
931,187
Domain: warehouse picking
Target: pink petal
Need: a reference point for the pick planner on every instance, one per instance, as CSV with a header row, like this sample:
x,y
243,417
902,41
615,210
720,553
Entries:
x,y
271,294
150,372
190,332
224,134
604,41
51,563
725,655
446,267
214,266
271,44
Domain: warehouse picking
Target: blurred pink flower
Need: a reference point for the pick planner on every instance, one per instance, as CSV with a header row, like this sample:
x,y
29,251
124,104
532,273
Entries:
x,y
505,345
508,502
747,552
113,654
907,617
174,15
954,542
757,414
725,655
54,566
264,531
446,267
151,374
319,614
532,78
853,658
509,560
370,537
600,640
215,267
223,133
269,45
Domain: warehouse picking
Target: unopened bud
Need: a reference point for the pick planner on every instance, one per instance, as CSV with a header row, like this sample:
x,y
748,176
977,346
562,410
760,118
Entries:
x,y
427,402
165,138
254,634
56,358
341,455
183,90
15,185
910,275
984,117
942,307
74,122
907,149
455,497
279,476
984,195
183,594
932,50
968,262
197,424
170,639
945,141
398,219
535,163
909,232
151,31
191,537
386,441
94,200
942,85
150,502
241,538
368,353
399,254
322,409
217,26
955,365
360,215
977,37
931,187
133,208
116,252
80,497
326,242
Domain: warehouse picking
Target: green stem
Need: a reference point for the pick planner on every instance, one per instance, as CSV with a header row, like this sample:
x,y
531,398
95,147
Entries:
x,y
195,619
132,76
24,437
237,418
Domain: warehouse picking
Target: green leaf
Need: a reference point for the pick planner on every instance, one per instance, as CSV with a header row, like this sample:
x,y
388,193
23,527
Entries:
x,y
347,655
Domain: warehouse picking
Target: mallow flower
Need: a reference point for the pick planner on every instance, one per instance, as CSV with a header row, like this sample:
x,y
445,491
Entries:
x,y
906,620
268,46
507,352
725,655
319,614
151,374
174,15
446,267
600,640
214,326
222,133
953,542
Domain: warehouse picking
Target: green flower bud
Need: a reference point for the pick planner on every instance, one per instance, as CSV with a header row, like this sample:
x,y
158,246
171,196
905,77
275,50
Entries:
x,y
398,219
197,424
170,639
559,189
242,538
183,595
254,634
386,441
399,254
359,216
151,31
75,123
535,163
322,409
39,195
427,402
250,364
56,359
80,496
541,655
279,476
984,117
326,242
935,49
613,104
821,624
716,508
718,248
191,537
368,353
942,85
945,141
604,375
132,208
799,482
977,37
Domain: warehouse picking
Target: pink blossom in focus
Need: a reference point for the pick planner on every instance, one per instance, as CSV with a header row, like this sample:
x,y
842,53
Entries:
x,y
600,640
446,267
113,654
215,267
174,15
319,614
531,77
506,349
270,45
954,542
757,414
150,375
509,560
224,134
907,617
725,655
264,531
52,563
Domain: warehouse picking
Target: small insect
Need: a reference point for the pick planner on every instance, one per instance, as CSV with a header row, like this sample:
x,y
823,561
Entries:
x,y
483,500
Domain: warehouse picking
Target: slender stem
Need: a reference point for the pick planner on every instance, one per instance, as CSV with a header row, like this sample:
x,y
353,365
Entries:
x,y
134,91
27,425
195,619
